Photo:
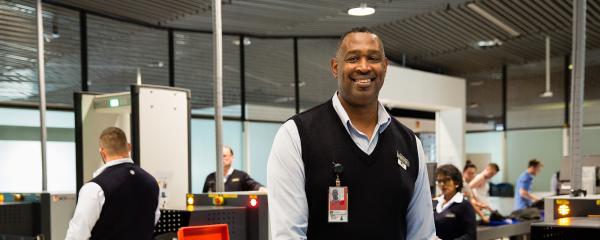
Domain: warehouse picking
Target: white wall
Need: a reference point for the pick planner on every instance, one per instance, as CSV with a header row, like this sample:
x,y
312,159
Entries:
x,y
418,90
414,89
418,125
21,169
450,136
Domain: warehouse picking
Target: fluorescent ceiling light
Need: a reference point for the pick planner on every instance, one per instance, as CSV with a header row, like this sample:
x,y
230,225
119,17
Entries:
x,y
363,10
493,19
489,43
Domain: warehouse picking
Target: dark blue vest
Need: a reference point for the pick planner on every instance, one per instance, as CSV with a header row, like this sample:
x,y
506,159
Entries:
x,y
130,203
379,188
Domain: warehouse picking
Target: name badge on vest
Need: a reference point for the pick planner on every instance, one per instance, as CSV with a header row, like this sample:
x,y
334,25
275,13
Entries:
x,y
402,161
338,204
450,215
338,198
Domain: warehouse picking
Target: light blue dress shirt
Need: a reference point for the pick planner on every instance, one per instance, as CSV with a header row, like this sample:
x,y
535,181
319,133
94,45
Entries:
x,y
524,182
288,207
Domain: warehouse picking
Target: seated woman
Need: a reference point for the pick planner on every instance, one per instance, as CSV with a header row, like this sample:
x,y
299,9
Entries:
x,y
454,216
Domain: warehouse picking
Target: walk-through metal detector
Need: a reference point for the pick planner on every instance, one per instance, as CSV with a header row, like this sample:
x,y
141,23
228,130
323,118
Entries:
x,y
156,120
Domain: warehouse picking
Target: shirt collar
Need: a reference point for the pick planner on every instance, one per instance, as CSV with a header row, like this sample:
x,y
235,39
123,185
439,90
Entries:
x,y
440,207
112,163
383,118
229,172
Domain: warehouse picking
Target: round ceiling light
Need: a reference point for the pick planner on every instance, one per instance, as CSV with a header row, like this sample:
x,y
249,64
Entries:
x,y
363,10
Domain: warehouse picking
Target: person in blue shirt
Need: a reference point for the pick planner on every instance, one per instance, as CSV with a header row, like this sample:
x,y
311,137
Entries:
x,y
523,196
453,214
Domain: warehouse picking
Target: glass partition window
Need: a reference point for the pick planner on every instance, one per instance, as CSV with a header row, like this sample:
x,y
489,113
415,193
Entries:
x,y
591,106
194,70
204,152
316,81
116,50
590,137
484,98
269,79
20,158
18,53
260,141
543,145
526,107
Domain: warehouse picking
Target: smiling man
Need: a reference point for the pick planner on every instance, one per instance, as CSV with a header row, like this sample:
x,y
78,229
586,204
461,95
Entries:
x,y
350,146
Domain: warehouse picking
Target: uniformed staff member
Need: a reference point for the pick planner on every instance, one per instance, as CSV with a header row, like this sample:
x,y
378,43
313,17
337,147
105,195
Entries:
x,y
121,201
234,180
454,216
350,145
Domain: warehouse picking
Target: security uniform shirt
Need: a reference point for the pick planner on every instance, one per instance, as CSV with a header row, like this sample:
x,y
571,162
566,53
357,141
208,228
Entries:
x,y
454,219
385,200
234,181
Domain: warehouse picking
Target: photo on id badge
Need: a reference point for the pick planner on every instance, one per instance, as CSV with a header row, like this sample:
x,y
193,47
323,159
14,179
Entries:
x,y
338,204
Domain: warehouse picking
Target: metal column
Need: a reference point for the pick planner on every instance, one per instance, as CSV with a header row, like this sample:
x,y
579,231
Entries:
x,y
218,91
577,84
42,90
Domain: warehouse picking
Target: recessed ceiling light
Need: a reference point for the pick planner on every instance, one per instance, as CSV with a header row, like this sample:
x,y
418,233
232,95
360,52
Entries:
x,y
362,10
247,41
489,43
476,83
473,105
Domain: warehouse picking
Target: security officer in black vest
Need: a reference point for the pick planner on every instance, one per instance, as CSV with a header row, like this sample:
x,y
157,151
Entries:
x,y
346,169
121,201
234,180
453,213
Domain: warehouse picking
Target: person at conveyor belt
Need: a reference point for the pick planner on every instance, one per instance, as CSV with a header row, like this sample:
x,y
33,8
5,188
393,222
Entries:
x,y
121,201
469,173
234,180
453,214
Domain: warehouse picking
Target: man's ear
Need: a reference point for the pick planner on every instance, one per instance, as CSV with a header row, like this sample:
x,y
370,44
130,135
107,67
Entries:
x,y
334,67
129,147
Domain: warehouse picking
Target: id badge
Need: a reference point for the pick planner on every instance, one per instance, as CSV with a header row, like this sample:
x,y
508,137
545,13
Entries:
x,y
338,204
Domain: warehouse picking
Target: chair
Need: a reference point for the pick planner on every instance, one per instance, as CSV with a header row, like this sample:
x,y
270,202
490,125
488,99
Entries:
x,y
205,232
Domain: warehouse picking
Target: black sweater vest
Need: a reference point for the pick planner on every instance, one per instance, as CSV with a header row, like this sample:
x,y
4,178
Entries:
x,y
131,198
379,189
